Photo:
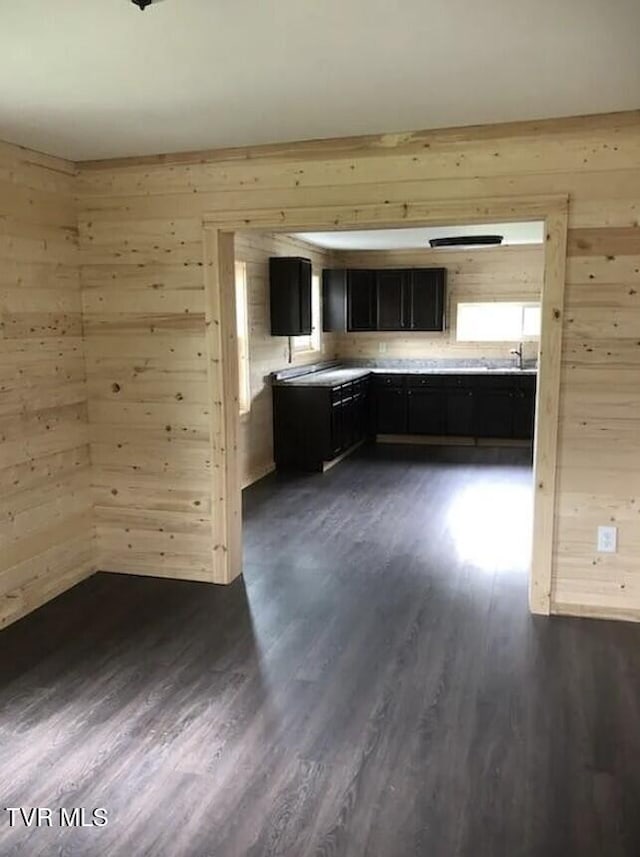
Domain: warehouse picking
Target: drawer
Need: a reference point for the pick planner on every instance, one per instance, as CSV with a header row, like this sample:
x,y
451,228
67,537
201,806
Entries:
x,y
417,382
395,380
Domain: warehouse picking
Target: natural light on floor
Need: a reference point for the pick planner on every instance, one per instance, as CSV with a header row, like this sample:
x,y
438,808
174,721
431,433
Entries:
x,y
490,526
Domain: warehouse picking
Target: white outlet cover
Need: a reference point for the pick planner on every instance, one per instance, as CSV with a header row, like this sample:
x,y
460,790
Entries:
x,y
607,539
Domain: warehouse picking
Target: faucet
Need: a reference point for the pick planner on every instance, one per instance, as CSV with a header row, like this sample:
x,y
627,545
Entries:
x,y
519,353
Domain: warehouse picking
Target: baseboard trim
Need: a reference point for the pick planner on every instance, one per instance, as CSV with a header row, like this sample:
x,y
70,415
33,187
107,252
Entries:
x,y
578,611
437,440
258,474
327,465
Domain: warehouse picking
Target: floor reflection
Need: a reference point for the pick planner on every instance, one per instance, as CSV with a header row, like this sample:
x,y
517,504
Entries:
x,y
490,525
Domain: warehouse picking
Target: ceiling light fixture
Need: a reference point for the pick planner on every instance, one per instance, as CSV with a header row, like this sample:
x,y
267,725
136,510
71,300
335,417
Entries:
x,y
142,4
466,240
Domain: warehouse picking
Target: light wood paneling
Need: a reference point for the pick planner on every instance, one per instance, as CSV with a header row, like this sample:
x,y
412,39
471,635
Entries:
x,y
47,538
142,217
496,273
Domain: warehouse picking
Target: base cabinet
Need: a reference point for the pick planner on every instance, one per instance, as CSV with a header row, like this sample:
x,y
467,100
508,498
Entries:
x,y
426,410
496,406
315,424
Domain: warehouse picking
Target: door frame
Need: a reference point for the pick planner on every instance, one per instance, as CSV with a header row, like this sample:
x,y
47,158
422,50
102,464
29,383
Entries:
x,y
219,260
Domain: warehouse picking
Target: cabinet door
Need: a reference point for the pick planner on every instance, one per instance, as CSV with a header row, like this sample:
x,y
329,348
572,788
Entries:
x,y
361,288
334,300
360,413
459,412
337,430
390,410
393,288
426,411
290,296
348,421
494,413
427,301
524,412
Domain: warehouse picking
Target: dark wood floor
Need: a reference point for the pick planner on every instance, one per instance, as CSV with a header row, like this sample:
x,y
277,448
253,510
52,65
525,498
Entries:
x,y
374,686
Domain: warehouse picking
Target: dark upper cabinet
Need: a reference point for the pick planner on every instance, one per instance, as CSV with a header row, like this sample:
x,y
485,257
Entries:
x,y
361,300
290,296
428,295
394,295
385,299
334,299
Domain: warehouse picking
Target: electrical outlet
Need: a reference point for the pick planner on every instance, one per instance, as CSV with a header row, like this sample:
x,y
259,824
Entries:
x,y
382,348
607,539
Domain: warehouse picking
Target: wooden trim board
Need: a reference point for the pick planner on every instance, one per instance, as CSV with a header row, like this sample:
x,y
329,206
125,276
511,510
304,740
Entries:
x,y
219,227
327,465
437,440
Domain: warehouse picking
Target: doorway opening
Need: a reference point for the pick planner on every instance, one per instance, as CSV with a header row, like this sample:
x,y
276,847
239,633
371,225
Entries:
x,y
519,313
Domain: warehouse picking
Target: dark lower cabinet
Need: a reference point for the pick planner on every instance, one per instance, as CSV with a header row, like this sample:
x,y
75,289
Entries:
x,y
494,413
459,412
426,411
455,406
315,424
524,408
389,406
312,425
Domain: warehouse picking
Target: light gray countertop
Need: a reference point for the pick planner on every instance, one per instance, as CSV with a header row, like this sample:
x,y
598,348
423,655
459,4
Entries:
x,y
332,377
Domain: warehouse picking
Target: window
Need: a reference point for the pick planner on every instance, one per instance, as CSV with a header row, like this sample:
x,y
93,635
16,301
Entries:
x,y
498,321
313,342
242,324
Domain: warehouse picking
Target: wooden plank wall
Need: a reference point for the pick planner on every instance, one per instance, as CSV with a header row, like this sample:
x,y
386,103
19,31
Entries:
x,y
144,314
47,538
492,273
269,353
140,227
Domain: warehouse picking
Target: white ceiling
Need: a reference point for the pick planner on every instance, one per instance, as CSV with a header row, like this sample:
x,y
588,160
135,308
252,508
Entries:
x,y
100,78
411,239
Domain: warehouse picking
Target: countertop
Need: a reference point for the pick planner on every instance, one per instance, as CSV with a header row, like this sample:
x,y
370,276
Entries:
x,y
332,377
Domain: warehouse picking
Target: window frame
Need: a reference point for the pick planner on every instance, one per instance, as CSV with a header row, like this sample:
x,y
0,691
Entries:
x,y
242,336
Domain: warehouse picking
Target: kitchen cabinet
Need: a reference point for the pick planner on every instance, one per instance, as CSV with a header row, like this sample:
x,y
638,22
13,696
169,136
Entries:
x,y
290,296
426,410
361,300
389,407
524,406
393,289
313,425
427,302
459,410
334,299
494,412
387,299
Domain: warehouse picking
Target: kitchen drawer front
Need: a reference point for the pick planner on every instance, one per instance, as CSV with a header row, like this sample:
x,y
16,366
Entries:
x,y
394,380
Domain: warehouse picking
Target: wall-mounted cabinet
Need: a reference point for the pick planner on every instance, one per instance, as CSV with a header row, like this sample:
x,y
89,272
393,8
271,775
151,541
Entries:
x,y
290,296
387,299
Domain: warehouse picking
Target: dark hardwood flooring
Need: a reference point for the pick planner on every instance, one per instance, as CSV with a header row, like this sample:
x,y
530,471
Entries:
x,y
373,686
